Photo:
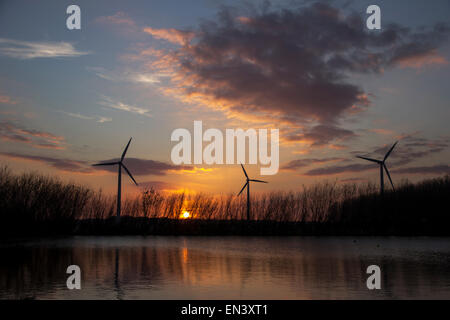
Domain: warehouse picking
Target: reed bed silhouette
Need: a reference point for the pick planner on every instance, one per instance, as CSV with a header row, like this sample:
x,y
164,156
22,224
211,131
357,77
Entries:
x,y
32,203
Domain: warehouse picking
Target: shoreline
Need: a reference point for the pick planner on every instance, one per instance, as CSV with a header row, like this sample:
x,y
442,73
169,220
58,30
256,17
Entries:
x,y
128,226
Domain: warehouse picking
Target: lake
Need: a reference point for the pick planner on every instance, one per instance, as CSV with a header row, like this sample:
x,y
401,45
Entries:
x,y
157,267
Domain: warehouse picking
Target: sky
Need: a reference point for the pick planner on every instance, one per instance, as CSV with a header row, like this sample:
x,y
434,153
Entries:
x,y
141,69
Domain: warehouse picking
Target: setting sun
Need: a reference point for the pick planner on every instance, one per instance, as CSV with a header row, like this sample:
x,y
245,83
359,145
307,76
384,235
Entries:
x,y
185,215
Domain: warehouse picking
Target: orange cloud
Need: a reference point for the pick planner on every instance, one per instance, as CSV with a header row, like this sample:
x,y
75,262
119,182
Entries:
x,y
421,61
161,186
301,152
247,68
64,165
41,134
383,132
193,170
338,147
36,138
15,138
6,100
172,35
244,20
49,146
120,18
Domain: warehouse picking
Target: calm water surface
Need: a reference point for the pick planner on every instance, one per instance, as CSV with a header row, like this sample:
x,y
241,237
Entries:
x,y
226,268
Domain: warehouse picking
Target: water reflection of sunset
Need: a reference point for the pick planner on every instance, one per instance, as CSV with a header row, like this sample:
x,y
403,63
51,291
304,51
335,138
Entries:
x,y
217,268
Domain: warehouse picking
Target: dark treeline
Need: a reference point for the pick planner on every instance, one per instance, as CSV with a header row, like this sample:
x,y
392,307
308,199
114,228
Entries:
x,y
33,204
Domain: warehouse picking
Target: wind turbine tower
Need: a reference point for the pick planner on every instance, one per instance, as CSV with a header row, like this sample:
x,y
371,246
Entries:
x,y
247,185
120,165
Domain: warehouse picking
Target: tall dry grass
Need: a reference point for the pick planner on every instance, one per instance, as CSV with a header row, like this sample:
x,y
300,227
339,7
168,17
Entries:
x,y
30,198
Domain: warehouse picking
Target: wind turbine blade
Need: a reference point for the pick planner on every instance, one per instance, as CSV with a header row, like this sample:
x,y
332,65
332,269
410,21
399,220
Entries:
x,y
369,159
389,176
125,151
129,173
105,164
258,181
245,172
242,188
389,152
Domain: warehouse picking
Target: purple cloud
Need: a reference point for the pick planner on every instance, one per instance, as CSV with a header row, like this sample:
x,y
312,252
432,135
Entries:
x,y
145,167
36,138
436,169
135,165
301,163
291,64
321,135
340,169
60,164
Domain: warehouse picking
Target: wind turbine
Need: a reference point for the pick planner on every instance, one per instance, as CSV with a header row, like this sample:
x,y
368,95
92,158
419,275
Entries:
x,y
121,165
247,184
382,164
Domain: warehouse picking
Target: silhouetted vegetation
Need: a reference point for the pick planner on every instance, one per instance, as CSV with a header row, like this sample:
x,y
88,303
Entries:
x,y
33,204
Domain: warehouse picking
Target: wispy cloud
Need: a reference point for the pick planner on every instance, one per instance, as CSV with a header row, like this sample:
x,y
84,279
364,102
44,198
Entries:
x,y
121,23
7,100
302,163
137,166
113,104
410,149
98,119
422,60
436,169
119,18
172,35
35,49
39,134
36,138
331,170
65,165
145,167
126,76
144,78
104,119
49,145
382,131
